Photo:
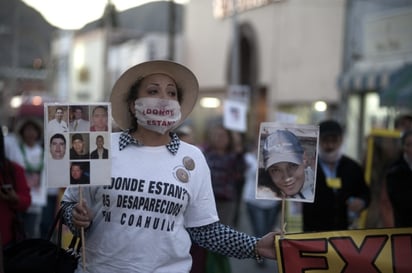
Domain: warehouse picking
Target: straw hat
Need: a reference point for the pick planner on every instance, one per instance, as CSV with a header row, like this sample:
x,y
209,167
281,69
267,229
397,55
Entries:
x,y
184,78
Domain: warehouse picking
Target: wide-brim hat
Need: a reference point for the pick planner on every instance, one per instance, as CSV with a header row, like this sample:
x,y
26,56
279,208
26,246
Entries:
x,y
185,80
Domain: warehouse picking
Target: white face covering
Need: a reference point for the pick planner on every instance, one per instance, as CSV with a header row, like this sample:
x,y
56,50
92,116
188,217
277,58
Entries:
x,y
330,157
159,115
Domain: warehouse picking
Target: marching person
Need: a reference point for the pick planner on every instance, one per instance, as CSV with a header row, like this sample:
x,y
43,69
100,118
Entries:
x,y
160,198
341,190
14,197
399,184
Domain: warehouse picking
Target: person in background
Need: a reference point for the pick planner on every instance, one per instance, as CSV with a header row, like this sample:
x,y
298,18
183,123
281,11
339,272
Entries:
x,y
14,197
227,170
341,191
262,214
11,143
285,164
403,123
79,124
101,152
30,135
99,119
171,174
399,184
58,124
239,148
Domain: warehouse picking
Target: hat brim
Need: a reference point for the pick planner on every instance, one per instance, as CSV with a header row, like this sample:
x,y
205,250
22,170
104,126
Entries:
x,y
185,80
293,158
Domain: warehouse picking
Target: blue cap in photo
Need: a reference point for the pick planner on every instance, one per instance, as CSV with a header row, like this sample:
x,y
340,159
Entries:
x,y
282,146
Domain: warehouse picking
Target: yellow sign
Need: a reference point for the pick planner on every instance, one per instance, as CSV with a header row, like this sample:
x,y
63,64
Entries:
x,y
351,251
334,183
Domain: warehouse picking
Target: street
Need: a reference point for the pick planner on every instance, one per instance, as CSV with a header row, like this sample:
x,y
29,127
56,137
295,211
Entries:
x,y
250,265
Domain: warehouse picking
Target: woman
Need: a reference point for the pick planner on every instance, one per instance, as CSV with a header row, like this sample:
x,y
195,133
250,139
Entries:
x,y
161,196
32,151
14,196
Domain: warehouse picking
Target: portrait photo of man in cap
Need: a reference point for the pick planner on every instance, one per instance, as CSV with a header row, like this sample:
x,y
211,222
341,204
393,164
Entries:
x,y
287,169
79,149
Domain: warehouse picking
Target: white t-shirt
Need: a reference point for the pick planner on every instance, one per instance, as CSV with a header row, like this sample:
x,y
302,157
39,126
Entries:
x,y
139,221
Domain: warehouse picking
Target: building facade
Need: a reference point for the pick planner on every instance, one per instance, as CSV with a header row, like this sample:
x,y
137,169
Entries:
x,y
288,52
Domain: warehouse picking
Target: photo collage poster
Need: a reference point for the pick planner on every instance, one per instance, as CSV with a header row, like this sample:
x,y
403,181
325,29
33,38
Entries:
x,y
287,159
77,144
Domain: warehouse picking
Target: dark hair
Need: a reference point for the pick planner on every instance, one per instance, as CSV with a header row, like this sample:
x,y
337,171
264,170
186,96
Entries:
x,y
77,107
404,136
330,127
266,181
58,136
213,126
132,96
399,120
99,107
32,123
79,164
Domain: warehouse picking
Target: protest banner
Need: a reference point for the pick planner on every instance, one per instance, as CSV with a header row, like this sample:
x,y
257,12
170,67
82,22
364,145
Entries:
x,y
349,251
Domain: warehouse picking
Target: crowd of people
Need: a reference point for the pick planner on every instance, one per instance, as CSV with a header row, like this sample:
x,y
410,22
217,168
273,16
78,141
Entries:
x,y
189,195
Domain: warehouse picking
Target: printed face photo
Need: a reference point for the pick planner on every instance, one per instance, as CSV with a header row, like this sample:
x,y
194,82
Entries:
x,y
78,146
79,173
99,118
288,177
76,172
287,162
57,113
58,146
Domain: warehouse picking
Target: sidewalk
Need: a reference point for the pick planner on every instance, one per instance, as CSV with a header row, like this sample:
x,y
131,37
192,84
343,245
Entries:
x,y
250,265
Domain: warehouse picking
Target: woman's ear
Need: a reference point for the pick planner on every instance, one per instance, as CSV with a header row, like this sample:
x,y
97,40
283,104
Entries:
x,y
131,108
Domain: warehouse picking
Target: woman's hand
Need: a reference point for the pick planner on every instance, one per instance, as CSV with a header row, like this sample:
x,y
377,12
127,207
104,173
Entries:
x,y
82,215
266,246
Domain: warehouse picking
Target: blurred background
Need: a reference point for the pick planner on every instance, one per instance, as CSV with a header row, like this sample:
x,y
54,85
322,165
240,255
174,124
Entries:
x,y
298,61
306,60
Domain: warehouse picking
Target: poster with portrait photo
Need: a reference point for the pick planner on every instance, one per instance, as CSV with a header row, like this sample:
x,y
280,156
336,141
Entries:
x,y
77,153
287,157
